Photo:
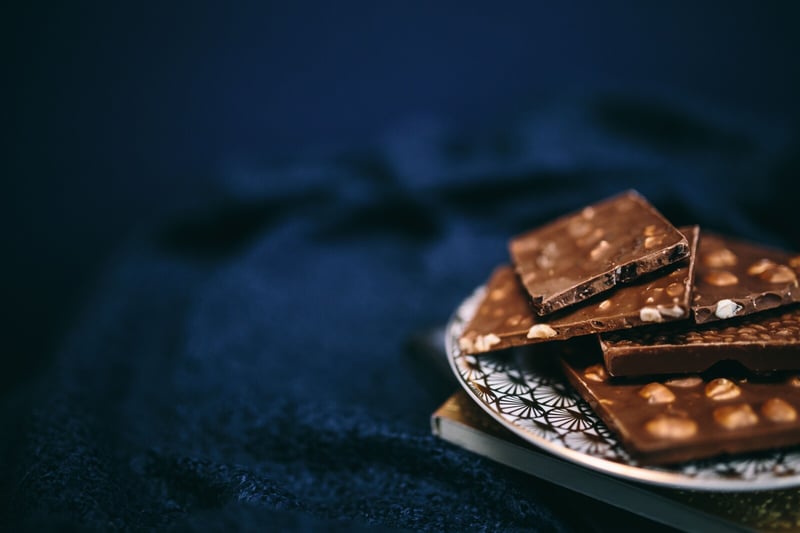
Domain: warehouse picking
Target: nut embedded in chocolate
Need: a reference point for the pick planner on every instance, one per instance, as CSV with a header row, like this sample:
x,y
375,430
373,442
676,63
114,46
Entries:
x,y
721,278
736,278
680,418
684,382
735,416
656,393
505,312
596,373
722,389
671,427
778,410
762,342
590,251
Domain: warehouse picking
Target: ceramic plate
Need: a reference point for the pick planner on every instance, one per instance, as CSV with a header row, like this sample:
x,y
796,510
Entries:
x,y
536,402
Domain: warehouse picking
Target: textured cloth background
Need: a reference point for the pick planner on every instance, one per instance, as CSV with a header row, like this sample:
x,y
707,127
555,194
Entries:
x,y
246,364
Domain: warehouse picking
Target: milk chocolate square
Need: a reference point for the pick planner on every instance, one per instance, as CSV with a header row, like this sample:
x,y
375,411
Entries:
x,y
736,278
670,419
504,317
590,251
763,342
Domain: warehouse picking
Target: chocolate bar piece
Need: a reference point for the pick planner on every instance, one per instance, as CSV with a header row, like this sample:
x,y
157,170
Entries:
x,y
588,252
504,317
672,419
736,278
764,342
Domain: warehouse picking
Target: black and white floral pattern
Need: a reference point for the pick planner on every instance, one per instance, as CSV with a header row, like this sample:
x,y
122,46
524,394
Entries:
x,y
520,406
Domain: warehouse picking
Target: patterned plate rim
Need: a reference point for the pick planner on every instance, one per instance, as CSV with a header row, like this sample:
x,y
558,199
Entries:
x,y
660,476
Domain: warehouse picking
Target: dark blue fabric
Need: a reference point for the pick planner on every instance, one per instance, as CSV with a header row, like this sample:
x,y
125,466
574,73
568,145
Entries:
x,y
246,364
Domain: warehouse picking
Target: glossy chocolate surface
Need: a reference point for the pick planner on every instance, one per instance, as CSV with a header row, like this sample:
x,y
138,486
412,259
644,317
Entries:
x,y
670,419
736,278
505,318
763,342
588,252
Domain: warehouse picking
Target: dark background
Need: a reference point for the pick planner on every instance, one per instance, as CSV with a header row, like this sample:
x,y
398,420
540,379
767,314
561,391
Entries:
x,y
120,116
119,113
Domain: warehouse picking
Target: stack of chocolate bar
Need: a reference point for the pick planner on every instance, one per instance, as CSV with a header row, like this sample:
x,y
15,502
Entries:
x,y
697,348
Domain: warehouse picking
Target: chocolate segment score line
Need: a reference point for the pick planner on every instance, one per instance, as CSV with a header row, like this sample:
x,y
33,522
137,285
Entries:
x,y
669,419
736,278
504,318
590,251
